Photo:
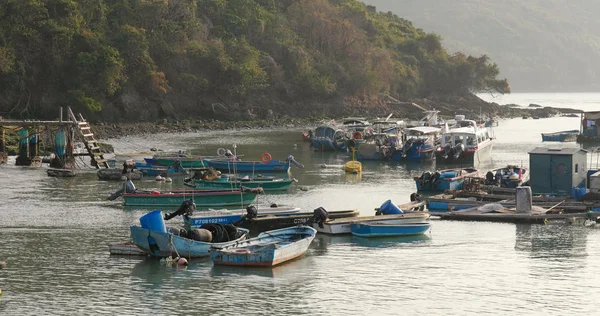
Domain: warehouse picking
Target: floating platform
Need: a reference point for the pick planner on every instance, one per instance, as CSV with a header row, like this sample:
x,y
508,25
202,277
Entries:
x,y
511,217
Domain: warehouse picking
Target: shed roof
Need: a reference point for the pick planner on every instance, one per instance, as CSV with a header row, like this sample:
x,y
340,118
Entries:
x,y
592,115
556,151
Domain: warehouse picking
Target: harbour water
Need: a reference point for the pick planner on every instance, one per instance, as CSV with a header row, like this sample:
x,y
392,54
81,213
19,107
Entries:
x,y
54,234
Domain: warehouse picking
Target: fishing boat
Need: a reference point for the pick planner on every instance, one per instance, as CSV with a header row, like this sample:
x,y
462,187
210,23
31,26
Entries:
x,y
174,243
267,184
264,165
564,136
153,170
419,143
507,177
202,198
268,249
449,179
232,216
386,230
464,142
330,138
263,220
382,142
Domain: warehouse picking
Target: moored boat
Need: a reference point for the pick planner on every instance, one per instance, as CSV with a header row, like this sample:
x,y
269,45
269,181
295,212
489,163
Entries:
x,y
464,142
564,136
383,230
265,165
61,173
449,179
267,184
233,216
153,170
330,138
419,143
267,249
507,177
202,198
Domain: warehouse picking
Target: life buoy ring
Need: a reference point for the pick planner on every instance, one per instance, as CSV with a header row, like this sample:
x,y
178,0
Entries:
x,y
221,152
266,157
357,135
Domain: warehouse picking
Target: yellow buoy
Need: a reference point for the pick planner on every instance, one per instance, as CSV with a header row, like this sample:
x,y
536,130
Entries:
x,y
353,166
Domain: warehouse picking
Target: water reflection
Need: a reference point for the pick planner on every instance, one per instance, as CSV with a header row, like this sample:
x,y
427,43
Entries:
x,y
389,242
551,241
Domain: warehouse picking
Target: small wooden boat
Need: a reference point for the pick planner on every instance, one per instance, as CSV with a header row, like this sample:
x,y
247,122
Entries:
x,y
127,248
507,177
267,184
449,179
268,249
564,136
276,221
153,170
232,216
163,244
380,229
117,174
342,225
265,165
61,173
202,198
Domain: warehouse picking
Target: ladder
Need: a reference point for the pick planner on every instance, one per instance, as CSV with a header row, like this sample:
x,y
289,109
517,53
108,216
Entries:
x,y
90,143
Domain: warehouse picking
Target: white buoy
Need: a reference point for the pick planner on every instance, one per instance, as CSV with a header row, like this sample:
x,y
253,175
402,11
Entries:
x,y
323,166
159,178
168,180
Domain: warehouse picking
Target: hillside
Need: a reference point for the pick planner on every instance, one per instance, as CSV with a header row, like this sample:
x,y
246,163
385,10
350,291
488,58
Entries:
x,y
130,60
539,45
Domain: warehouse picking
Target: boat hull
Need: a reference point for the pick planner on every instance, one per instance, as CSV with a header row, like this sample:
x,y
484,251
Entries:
x,y
268,249
343,225
450,179
483,153
276,185
185,162
378,230
566,136
161,244
248,166
214,198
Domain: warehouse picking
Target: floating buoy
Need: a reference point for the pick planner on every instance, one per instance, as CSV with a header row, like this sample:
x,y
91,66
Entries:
x,y
159,178
323,166
168,180
182,262
2,265
304,188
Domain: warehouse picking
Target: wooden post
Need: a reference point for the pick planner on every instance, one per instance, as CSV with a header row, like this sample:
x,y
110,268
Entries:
x,y
3,153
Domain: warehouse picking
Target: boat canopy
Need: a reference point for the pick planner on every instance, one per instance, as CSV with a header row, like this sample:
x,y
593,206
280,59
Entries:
x,y
422,130
325,131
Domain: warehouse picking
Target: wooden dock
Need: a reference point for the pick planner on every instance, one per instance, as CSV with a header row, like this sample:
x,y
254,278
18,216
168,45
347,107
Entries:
x,y
568,218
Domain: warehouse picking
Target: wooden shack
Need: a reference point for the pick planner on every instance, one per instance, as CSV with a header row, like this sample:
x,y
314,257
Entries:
x,y
590,127
557,170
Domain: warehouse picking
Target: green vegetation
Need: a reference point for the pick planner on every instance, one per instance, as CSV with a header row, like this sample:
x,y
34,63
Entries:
x,y
540,45
144,59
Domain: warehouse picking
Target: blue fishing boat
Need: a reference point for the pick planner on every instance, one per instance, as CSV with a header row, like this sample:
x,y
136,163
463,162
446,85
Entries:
x,y
268,249
564,136
266,165
507,177
420,143
232,216
382,229
152,170
449,179
330,138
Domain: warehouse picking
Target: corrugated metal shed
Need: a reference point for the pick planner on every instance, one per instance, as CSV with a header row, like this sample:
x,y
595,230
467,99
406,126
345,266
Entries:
x,y
557,170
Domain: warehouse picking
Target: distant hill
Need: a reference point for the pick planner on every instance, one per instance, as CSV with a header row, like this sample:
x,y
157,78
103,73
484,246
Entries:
x,y
539,45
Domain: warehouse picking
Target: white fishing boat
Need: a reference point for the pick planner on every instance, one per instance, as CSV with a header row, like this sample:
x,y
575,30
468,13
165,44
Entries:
x,y
465,142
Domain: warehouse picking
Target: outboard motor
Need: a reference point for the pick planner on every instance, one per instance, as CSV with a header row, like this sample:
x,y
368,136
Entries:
x,y
251,213
128,187
434,178
424,178
489,178
407,145
187,208
293,161
458,150
498,176
320,216
415,197
447,151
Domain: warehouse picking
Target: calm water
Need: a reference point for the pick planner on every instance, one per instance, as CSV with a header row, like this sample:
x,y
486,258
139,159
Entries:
x,y
583,101
54,235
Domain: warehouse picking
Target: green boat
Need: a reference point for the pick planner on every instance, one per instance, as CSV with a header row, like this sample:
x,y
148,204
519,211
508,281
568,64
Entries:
x,y
202,198
267,184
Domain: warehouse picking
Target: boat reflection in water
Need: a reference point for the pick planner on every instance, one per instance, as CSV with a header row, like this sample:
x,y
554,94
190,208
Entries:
x,y
552,241
392,242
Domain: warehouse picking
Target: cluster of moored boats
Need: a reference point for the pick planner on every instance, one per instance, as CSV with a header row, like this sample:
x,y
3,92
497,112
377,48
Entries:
x,y
457,140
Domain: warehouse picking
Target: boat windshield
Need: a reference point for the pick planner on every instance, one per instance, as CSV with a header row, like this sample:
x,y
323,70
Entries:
x,y
324,131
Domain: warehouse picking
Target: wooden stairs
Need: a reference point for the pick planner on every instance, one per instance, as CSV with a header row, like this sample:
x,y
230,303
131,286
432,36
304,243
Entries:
x,y
90,143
